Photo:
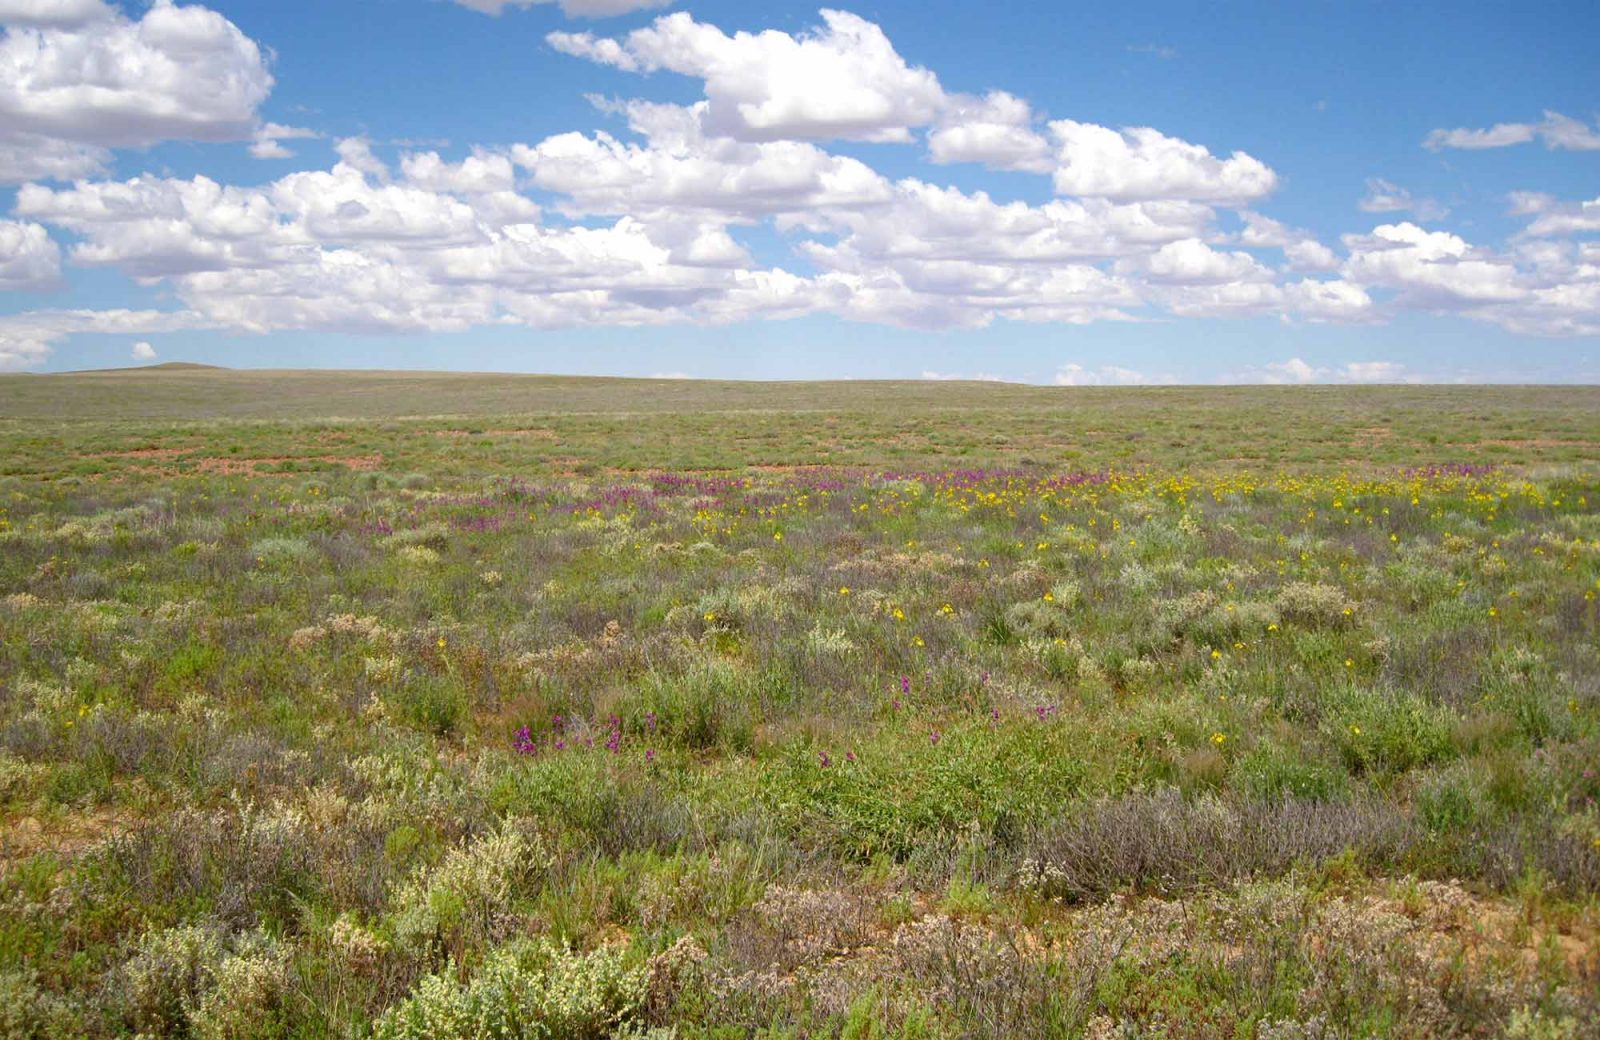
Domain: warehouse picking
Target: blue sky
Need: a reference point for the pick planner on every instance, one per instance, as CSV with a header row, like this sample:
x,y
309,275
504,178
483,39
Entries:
x,y
1033,192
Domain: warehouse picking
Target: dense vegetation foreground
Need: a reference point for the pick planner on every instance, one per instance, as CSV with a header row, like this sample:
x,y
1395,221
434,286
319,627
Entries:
x,y
707,711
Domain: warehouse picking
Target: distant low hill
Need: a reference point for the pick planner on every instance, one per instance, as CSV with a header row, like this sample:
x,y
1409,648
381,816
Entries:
x,y
165,366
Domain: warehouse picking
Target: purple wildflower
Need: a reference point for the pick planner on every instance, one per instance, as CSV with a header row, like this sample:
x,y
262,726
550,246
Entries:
x,y
523,742
905,685
649,755
934,737
823,759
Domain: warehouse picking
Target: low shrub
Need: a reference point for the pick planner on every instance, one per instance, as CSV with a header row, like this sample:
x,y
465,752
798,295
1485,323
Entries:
x,y
529,990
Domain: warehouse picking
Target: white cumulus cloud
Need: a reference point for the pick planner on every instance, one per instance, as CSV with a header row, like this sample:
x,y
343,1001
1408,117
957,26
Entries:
x,y
29,257
845,80
1298,371
1554,217
1435,269
1074,374
267,142
1190,261
1300,248
177,73
78,78
1143,163
996,130
1387,197
1555,130
1329,300
683,169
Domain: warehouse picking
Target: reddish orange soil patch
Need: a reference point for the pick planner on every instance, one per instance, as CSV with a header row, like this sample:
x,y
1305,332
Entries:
x,y
143,453
249,467
1539,442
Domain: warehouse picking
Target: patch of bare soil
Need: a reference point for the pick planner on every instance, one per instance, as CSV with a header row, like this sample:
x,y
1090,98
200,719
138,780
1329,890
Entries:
x,y
65,837
249,467
143,453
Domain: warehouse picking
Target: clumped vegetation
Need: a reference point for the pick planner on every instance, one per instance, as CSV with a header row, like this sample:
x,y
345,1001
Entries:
x,y
468,743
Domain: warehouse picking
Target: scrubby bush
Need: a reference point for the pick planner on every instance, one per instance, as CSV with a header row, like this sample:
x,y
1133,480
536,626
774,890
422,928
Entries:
x,y
168,975
30,1012
247,997
531,990
466,901
1039,618
1314,605
1167,843
282,551
432,536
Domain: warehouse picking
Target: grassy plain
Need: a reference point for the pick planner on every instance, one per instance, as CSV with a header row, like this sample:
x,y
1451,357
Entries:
x,y
400,705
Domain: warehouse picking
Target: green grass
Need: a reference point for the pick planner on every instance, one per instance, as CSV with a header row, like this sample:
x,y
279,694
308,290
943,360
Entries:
x,y
378,704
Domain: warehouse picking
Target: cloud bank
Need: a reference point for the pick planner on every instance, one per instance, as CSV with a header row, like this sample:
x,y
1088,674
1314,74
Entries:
x,y
649,222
